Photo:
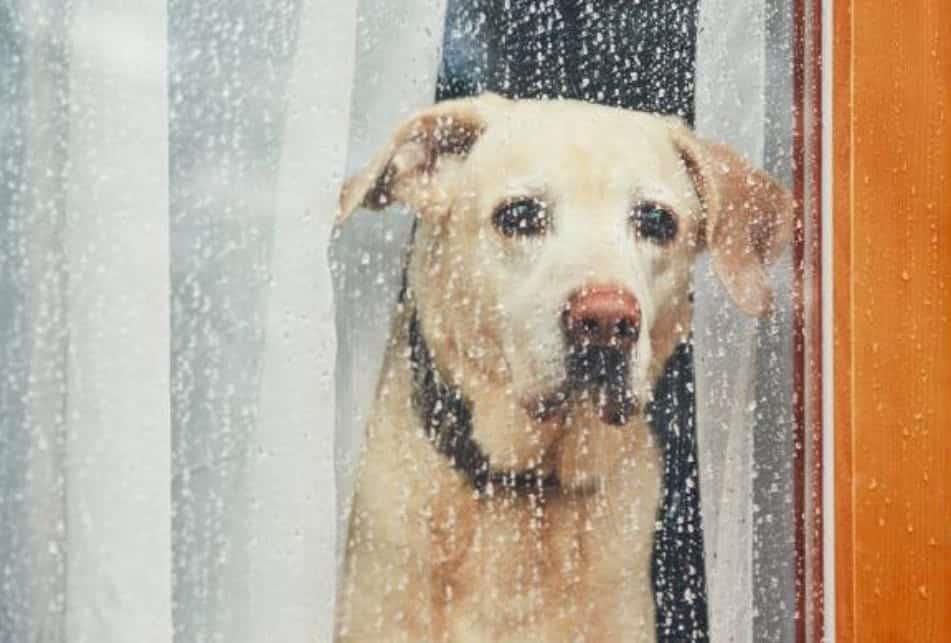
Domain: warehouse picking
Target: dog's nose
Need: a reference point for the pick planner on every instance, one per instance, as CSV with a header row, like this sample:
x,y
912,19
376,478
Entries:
x,y
602,315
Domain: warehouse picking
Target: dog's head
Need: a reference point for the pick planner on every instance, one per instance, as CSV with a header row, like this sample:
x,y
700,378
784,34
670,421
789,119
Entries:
x,y
552,261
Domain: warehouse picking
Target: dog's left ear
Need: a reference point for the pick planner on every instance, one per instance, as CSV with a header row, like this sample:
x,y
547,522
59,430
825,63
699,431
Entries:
x,y
404,171
748,217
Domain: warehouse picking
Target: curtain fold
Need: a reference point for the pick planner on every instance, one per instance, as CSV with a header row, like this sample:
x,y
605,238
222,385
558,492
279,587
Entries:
x,y
395,71
744,366
292,523
89,234
731,97
118,447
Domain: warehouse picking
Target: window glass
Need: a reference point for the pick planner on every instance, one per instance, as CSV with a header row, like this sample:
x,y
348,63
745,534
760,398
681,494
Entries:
x,y
430,320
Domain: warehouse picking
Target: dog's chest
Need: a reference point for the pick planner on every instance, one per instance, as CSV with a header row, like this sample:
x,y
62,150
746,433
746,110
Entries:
x,y
520,569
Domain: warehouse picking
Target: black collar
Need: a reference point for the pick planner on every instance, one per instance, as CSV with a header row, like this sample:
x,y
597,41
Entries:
x,y
447,422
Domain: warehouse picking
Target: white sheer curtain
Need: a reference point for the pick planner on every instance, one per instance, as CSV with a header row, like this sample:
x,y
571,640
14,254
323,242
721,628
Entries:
x,y
86,472
744,366
91,441
292,526
115,245
398,48
731,96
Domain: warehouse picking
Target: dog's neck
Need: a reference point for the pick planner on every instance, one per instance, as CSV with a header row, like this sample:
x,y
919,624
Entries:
x,y
446,416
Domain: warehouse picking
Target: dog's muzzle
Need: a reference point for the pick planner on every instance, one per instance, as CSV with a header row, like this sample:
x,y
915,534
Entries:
x,y
601,324
601,374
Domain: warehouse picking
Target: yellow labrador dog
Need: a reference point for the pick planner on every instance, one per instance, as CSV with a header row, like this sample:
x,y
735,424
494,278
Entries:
x,y
509,483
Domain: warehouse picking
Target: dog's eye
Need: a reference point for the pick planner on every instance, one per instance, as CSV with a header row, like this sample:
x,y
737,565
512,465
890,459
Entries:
x,y
522,218
654,223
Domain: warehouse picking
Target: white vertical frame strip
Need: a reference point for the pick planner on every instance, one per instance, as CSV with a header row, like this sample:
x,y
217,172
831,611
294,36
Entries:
x,y
118,575
292,526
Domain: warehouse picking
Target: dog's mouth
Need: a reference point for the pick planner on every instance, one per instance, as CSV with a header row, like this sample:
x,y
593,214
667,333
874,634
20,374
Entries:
x,y
598,375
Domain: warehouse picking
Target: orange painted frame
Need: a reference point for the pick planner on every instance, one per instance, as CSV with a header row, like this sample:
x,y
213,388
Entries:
x,y
892,338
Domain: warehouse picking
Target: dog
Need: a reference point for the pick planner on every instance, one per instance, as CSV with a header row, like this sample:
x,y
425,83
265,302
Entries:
x,y
509,483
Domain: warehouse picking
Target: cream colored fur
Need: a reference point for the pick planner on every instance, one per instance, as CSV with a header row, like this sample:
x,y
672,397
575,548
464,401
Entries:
x,y
430,559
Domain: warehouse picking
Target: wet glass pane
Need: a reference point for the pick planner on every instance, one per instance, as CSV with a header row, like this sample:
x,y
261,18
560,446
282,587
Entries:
x,y
429,320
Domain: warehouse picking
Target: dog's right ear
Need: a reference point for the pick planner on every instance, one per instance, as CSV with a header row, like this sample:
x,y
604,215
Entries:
x,y
404,170
748,217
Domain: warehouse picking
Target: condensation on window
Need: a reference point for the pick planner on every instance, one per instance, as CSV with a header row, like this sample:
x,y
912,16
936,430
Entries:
x,y
431,320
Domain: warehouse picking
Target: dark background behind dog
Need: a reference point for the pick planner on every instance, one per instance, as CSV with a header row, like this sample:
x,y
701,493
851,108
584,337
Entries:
x,y
612,56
